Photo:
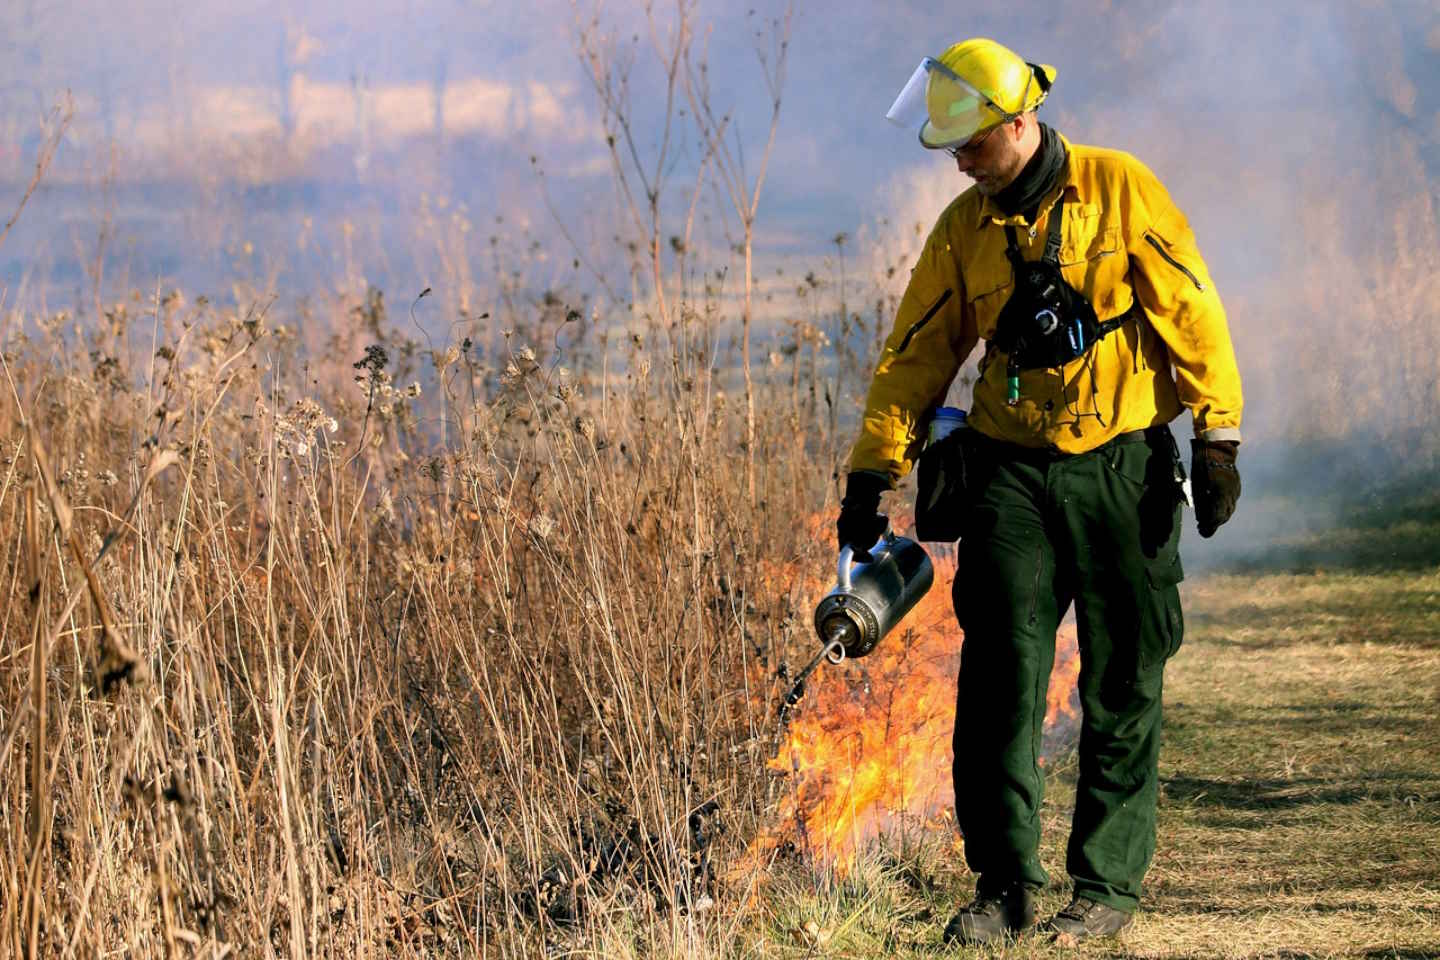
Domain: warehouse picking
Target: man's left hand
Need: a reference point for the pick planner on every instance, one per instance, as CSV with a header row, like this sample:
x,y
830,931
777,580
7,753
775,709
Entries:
x,y
1214,481
861,524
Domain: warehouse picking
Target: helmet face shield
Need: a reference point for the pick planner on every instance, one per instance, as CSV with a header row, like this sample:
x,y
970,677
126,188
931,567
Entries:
x,y
945,108
908,110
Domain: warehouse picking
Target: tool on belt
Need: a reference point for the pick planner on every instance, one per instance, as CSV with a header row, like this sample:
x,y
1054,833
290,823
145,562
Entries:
x,y
868,600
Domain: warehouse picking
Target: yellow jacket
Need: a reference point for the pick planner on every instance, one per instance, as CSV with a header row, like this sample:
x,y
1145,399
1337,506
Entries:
x,y
1122,238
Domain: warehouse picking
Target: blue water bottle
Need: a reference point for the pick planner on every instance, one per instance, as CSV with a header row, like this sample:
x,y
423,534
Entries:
x,y
945,422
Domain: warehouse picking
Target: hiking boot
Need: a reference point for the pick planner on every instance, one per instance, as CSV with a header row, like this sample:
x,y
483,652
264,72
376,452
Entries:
x,y
1085,919
992,916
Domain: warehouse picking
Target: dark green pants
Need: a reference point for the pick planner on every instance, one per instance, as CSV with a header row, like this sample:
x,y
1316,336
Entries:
x,y
1101,529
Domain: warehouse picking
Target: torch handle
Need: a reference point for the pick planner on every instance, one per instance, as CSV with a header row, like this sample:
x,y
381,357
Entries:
x,y
847,559
842,573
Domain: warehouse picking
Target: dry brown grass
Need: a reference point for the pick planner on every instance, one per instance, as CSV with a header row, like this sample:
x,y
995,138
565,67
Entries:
x,y
488,674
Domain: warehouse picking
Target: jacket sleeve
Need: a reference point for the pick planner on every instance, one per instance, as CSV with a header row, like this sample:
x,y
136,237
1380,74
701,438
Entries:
x,y
931,339
1174,286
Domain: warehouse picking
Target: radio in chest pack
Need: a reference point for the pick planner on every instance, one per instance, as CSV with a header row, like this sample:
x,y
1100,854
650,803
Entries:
x,y
1046,322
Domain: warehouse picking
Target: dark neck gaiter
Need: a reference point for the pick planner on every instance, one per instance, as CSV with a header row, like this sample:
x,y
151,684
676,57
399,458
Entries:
x,y
1037,179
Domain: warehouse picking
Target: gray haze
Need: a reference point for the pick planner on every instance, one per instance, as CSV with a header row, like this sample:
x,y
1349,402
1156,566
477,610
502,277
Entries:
x,y
332,146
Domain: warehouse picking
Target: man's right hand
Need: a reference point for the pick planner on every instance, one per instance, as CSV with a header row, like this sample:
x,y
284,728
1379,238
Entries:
x,y
861,524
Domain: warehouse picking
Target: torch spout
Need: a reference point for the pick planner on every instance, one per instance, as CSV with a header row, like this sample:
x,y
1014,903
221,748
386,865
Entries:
x,y
834,651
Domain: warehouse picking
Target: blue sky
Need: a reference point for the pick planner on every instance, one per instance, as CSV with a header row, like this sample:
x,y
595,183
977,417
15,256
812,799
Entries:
x,y
1192,88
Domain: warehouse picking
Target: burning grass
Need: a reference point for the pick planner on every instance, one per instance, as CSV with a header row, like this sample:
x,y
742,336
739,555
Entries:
x,y
868,752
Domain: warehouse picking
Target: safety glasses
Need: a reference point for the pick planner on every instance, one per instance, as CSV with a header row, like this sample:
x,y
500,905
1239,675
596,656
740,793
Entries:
x,y
970,146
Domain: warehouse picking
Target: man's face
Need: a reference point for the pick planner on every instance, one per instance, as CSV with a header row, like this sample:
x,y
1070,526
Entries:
x,y
995,158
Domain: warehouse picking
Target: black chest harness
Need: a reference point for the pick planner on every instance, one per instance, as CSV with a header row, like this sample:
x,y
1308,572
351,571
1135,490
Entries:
x,y
1046,322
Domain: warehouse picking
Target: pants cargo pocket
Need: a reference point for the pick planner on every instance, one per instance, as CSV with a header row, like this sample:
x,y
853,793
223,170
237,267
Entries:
x,y
1164,628
1138,497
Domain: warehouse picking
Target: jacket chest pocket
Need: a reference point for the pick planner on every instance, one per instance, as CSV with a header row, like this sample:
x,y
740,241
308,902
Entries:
x,y
1087,236
1093,261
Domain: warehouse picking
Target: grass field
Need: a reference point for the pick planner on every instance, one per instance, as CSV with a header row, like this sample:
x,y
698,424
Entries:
x,y
1300,804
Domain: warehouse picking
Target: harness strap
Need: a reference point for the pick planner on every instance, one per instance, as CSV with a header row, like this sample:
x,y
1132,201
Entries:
x,y
1012,248
1052,237
1132,312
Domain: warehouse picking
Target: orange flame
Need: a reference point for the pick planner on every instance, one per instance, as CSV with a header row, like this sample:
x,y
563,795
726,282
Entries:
x,y
868,749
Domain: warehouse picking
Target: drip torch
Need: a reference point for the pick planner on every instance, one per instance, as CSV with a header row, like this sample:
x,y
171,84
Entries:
x,y
866,603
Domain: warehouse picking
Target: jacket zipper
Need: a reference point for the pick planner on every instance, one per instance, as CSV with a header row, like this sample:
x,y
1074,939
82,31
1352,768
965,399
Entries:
x,y
1174,263
915,327
1035,590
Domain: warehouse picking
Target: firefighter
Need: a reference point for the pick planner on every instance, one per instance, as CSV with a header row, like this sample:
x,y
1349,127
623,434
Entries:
x,y
1099,324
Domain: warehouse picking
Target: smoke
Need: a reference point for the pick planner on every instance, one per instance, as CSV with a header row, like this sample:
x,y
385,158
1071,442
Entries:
x,y
458,146
1308,169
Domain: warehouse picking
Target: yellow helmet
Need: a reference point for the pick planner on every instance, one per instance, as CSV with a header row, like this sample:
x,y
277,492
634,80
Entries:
x,y
973,86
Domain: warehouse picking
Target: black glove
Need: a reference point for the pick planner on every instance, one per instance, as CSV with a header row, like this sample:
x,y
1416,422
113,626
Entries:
x,y
1214,482
861,523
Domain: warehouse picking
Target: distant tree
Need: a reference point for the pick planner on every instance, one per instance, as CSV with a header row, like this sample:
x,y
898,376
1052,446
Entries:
x,y
438,83
27,81
285,85
360,89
